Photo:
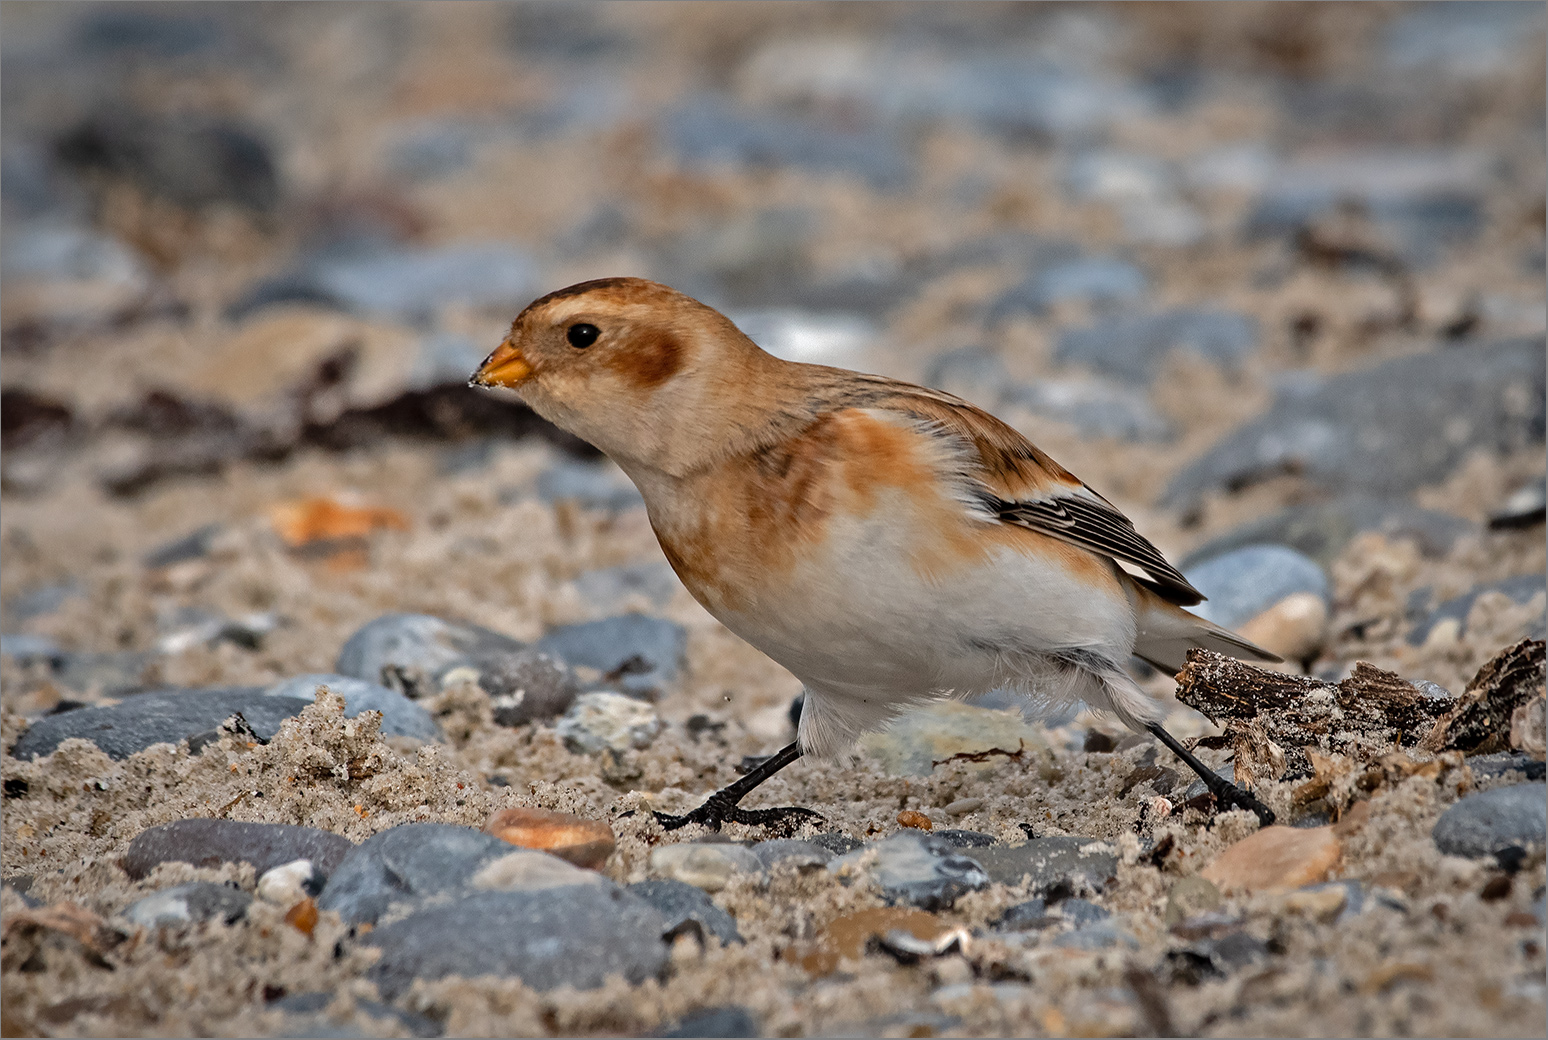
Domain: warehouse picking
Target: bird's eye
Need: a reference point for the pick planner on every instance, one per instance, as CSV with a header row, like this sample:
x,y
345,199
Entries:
x,y
583,335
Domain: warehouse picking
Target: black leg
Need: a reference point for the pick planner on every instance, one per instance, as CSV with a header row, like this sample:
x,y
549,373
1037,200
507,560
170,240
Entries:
x,y
1225,792
721,806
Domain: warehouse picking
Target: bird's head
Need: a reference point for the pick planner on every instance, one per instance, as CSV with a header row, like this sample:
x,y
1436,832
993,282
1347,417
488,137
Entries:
x,y
636,368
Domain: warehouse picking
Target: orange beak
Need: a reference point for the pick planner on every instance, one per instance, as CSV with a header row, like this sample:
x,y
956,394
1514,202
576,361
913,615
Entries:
x,y
505,367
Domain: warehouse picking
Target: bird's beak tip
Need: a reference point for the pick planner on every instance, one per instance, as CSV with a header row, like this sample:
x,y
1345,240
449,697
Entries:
x,y
505,367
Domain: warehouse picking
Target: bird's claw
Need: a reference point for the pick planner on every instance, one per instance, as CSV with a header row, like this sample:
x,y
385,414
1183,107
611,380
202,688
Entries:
x,y
1228,795
785,819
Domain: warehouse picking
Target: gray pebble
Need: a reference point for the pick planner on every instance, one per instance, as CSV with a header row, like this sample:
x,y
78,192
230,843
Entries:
x,y
1132,348
407,864
208,843
914,868
185,904
1484,823
1244,583
678,901
715,1022
605,587
1096,409
316,1003
596,485
1520,588
637,654
577,936
1054,866
167,717
1321,530
401,717
408,652
527,686
792,851
1101,282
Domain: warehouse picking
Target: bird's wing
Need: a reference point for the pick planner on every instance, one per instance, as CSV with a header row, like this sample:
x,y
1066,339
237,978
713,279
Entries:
x,y
1019,484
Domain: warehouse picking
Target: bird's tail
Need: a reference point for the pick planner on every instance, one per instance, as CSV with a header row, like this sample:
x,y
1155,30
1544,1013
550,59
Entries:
x,y
1166,632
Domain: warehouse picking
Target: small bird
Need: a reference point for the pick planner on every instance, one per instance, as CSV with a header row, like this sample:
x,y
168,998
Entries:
x,y
887,543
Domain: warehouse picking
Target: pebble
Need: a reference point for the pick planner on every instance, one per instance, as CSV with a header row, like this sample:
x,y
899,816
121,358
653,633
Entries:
x,y
576,936
407,864
800,335
1189,897
1484,823
610,585
1321,530
1520,589
529,871
1053,866
1385,430
207,843
166,717
917,869
410,651
678,902
716,1022
1133,348
706,866
1526,507
586,843
523,685
964,839
1295,628
836,843
1276,858
1102,935
595,485
803,855
191,902
412,284
24,648
1094,408
915,742
637,654
847,936
600,721
1030,916
289,883
1099,282
401,717
1216,957
1513,764
384,1017
1240,585
192,546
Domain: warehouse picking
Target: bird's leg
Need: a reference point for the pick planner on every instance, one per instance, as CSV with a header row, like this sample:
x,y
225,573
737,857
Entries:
x,y
1225,792
721,807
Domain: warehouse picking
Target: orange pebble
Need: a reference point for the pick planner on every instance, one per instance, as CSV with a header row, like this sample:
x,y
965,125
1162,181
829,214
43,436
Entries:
x,y
310,520
917,820
303,916
586,843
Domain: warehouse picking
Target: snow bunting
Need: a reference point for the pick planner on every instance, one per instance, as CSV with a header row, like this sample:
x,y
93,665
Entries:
x,y
886,543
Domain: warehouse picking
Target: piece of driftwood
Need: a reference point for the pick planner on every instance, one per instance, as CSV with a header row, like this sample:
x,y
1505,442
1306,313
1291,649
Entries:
x,y
1271,718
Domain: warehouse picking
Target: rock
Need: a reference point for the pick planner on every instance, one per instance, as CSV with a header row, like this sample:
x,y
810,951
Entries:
x,y
799,335
1468,43
24,647
416,283
1295,628
1386,430
289,883
186,904
1081,913
935,732
401,717
706,131
1244,583
528,871
523,686
596,485
56,271
678,902
1188,897
577,936
209,843
975,374
1526,507
1099,282
1030,916
191,161
964,839
1482,824
1053,867
706,866
407,864
158,718
1276,858
384,1017
1529,733
606,587
848,936
1103,935
836,843
1520,589
116,673
1215,957
718,1022
408,652
600,721
1321,530
1093,408
640,655
586,843
1511,764
803,855
191,627
1132,348
917,869
192,546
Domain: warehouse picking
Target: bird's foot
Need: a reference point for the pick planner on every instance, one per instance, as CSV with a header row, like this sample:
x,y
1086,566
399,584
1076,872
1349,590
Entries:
x,y
1228,795
785,820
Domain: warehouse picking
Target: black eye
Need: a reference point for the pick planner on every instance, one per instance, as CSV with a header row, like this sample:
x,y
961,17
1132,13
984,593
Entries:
x,y
582,335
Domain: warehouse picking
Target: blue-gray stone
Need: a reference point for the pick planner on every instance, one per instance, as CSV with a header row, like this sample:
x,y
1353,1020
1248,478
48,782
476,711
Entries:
x,y
208,842
595,485
1321,530
975,374
49,250
1055,866
606,586
1102,935
1245,582
165,717
25,647
416,283
401,717
1093,408
1032,915
1100,282
1514,764
638,655
45,599
1386,430
1520,588
1464,39
1134,347
315,1004
678,901
407,864
192,546
715,1022
801,854
409,651
575,936
1081,912
914,868
960,839
189,903
1484,823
